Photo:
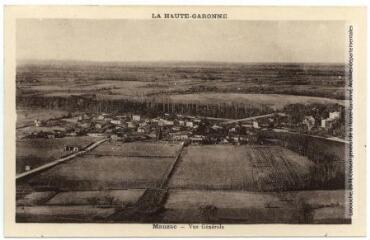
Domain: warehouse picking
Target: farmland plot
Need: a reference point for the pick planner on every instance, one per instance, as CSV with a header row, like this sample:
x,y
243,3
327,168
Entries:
x,y
110,197
137,149
104,172
276,101
36,152
250,168
62,213
25,117
255,207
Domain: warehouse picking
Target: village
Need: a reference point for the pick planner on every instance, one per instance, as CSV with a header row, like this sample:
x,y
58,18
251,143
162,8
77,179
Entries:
x,y
177,127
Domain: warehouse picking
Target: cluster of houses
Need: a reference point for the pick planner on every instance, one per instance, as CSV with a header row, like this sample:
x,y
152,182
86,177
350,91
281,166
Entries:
x,y
133,127
168,127
326,123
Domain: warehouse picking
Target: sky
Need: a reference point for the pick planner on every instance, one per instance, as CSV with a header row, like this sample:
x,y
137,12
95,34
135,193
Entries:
x,y
181,40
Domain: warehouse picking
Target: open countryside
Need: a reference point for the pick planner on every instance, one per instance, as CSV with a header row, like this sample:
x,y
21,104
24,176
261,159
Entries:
x,y
181,143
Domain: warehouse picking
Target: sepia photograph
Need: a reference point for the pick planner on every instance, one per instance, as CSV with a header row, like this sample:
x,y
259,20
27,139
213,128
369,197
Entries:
x,y
183,118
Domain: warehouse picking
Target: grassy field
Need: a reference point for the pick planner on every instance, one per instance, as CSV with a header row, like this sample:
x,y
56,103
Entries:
x,y
112,197
144,149
255,207
62,213
101,173
250,168
140,79
276,101
36,152
26,117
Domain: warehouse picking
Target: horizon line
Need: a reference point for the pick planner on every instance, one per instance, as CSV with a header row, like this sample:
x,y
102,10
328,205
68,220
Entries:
x,y
28,61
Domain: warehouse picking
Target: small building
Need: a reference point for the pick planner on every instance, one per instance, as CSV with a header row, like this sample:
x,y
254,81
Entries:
x,y
181,123
334,115
101,117
114,137
50,135
141,130
232,130
69,148
255,124
309,121
327,123
216,127
37,123
196,139
136,118
98,125
179,137
175,129
189,124
95,135
72,134
164,122
116,121
131,125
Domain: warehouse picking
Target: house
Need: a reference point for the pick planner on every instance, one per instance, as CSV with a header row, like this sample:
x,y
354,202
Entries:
x,y
176,129
327,123
136,118
334,115
100,117
131,125
164,122
141,130
196,139
37,123
84,124
83,117
179,136
116,121
255,124
50,136
181,123
95,135
114,137
247,125
69,148
309,121
189,124
216,127
231,130
98,125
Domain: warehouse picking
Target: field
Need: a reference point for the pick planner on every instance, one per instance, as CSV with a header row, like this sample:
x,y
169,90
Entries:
x,y
210,183
248,168
25,117
62,213
112,197
137,150
36,152
276,101
100,172
255,207
136,80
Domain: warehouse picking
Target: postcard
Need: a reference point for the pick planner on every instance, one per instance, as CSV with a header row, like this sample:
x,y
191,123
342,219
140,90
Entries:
x,y
184,121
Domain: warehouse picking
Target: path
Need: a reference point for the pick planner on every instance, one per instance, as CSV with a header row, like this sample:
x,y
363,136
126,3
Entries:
x,y
148,206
